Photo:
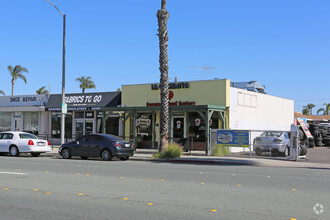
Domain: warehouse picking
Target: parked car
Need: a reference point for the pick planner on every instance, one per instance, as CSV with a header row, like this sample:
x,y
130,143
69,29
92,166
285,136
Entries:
x,y
276,141
16,142
97,145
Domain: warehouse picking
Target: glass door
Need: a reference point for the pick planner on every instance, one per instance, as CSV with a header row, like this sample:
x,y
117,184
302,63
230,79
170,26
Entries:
x,y
79,128
178,127
17,124
84,127
89,127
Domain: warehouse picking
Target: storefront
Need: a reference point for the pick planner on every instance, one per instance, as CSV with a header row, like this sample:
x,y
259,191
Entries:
x,y
194,108
84,114
24,113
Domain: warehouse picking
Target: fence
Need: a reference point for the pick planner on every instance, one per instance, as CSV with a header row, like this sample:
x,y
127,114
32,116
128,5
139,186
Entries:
x,y
251,143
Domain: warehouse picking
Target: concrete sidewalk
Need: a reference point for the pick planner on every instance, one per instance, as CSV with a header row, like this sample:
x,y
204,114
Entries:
x,y
199,158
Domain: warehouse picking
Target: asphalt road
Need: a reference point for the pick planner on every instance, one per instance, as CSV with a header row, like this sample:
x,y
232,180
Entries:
x,y
49,188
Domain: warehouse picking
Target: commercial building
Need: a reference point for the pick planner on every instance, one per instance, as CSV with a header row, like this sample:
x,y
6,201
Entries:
x,y
24,113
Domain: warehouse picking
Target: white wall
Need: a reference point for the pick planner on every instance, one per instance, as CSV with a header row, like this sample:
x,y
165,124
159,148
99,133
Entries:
x,y
256,111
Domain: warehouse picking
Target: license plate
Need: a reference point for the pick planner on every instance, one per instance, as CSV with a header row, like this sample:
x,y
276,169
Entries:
x,y
41,144
126,145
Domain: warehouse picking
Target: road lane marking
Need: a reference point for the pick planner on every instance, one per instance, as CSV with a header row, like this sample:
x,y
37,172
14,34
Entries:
x,y
13,173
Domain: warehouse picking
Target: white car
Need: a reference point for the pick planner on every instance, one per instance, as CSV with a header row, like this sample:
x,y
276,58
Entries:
x,y
16,142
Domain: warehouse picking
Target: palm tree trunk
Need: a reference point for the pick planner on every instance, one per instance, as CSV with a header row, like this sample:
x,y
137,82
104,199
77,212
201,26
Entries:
x,y
162,16
12,87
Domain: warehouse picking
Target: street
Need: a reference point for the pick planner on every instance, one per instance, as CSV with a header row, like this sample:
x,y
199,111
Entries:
x,y
52,188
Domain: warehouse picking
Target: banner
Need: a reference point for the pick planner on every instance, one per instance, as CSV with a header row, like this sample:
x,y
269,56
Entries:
x,y
233,138
301,121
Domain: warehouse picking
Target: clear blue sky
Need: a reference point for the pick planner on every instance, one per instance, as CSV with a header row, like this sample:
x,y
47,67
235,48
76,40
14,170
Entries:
x,y
283,44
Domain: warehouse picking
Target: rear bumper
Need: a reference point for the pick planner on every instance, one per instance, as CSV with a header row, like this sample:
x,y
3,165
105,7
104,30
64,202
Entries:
x,y
122,152
36,149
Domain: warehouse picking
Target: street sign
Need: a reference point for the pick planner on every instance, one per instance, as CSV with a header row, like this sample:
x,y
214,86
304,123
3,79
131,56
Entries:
x,y
64,108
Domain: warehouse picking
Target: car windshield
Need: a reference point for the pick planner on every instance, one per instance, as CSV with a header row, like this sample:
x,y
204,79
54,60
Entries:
x,y
27,136
271,134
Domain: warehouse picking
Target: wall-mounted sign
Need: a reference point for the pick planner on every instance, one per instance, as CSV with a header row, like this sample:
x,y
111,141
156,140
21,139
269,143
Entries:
x,y
176,85
171,103
89,114
23,100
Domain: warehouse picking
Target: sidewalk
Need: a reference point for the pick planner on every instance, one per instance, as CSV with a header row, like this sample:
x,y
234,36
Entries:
x,y
199,158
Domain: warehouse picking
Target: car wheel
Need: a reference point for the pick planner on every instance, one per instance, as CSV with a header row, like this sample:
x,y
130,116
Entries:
x,y
35,154
14,152
84,157
66,153
106,155
124,158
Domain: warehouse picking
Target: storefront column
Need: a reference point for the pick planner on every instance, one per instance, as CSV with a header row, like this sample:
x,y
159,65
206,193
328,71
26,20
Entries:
x,y
134,128
153,122
103,123
207,132
170,136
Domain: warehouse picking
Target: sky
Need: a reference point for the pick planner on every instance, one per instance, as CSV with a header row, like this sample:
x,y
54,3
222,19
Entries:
x,y
282,44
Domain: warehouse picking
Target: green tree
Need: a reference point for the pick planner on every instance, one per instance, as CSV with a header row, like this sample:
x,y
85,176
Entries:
x,y
86,83
325,110
42,91
163,16
2,92
305,111
16,72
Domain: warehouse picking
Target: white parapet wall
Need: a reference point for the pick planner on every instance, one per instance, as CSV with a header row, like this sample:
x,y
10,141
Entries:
x,y
255,111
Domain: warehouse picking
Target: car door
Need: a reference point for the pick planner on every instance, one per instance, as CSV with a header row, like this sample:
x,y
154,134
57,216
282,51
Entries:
x,y
2,146
6,141
80,146
95,145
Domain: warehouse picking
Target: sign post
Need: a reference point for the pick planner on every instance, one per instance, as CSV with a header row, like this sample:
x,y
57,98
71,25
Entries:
x,y
64,108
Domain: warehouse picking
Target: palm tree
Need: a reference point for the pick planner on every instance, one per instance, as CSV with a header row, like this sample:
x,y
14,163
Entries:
x,y
305,110
42,91
16,72
2,92
162,16
325,110
86,83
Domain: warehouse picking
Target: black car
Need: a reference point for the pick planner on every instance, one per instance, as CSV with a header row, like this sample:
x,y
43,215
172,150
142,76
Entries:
x,y
97,145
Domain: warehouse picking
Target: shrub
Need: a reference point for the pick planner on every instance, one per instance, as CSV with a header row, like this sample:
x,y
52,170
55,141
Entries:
x,y
221,151
172,151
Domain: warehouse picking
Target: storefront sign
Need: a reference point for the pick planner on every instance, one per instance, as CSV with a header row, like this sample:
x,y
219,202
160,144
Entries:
x,y
177,85
23,100
84,101
233,138
171,103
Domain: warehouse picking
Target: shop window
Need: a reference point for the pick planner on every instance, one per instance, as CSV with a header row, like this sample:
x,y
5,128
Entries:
x,y
5,121
196,127
31,122
79,115
56,125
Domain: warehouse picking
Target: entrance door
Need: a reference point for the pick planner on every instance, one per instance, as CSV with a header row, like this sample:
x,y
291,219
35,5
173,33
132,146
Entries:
x,y
17,124
84,127
178,127
89,127
79,128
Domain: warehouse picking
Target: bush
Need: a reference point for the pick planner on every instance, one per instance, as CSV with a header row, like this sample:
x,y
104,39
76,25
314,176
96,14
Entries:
x,y
172,151
221,151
